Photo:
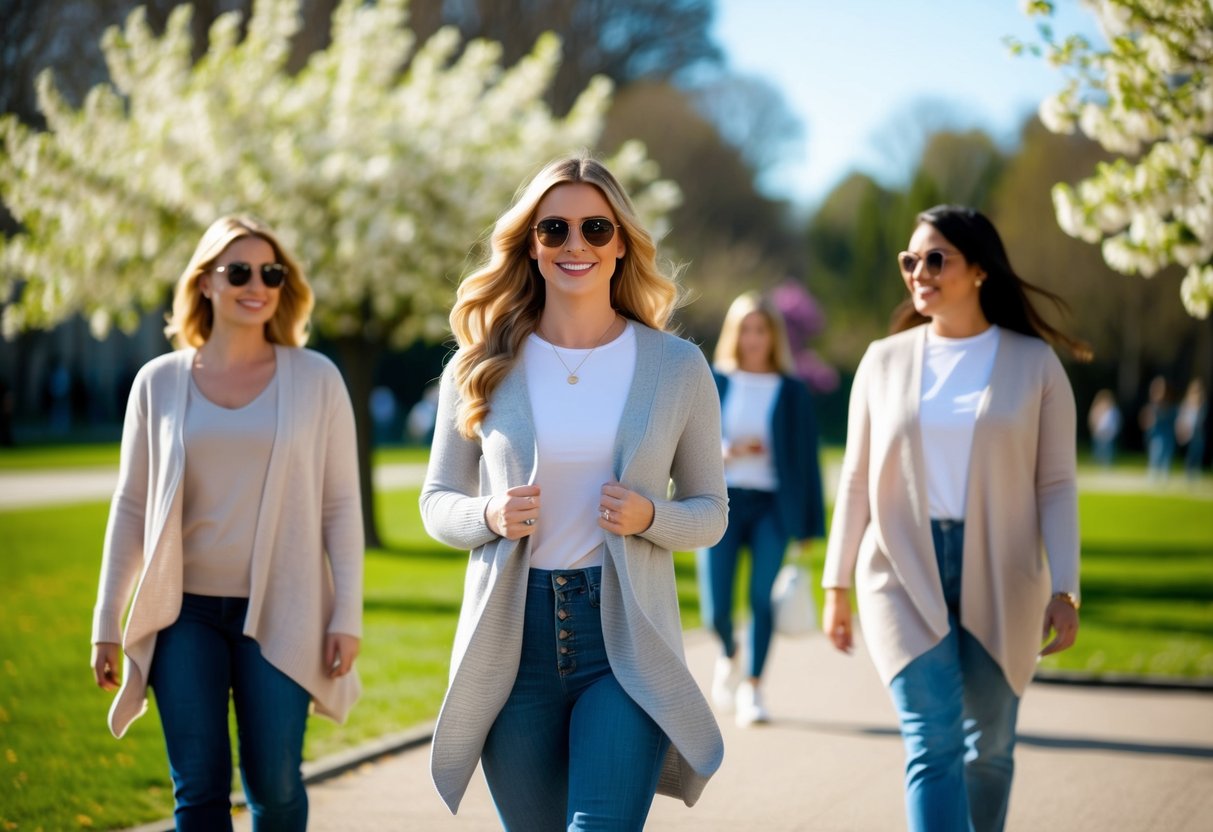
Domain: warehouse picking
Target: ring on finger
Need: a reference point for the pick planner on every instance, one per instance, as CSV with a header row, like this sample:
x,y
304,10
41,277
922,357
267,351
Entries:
x,y
530,521
606,514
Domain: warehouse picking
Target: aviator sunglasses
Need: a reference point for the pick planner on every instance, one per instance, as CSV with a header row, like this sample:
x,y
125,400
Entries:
x,y
935,261
239,273
553,231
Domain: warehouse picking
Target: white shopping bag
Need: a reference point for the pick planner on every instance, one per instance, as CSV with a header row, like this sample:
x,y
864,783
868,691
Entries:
x,y
792,599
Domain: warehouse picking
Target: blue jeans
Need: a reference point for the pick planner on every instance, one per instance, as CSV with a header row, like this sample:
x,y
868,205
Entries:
x,y
198,660
957,716
570,750
753,522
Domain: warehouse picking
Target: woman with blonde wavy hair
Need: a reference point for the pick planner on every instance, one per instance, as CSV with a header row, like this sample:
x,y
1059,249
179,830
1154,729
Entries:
x,y
238,516
563,418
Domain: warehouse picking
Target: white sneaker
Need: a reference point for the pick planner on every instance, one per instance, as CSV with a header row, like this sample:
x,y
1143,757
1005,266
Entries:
x,y
725,679
750,709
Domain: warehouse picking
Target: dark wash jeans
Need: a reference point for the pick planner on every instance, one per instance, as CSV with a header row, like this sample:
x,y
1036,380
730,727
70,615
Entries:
x,y
200,659
570,749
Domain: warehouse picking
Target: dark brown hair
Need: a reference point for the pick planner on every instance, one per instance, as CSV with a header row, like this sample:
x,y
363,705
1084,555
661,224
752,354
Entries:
x,y
1004,295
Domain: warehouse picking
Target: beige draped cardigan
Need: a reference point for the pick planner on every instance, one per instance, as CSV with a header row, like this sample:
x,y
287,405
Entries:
x,y
1021,494
306,576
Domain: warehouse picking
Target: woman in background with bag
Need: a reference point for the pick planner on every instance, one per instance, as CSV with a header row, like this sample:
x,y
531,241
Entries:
x,y
769,445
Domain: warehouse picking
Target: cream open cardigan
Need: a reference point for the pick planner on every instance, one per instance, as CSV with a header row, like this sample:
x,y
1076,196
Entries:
x,y
306,576
1021,494
670,430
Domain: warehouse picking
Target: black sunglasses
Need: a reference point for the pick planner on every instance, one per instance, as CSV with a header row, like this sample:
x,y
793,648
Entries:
x,y
934,260
239,273
553,231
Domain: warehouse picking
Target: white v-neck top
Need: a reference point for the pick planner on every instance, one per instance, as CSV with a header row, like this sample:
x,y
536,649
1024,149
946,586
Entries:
x,y
575,430
955,376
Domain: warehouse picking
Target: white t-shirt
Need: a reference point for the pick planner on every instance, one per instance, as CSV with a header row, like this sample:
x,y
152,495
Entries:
x,y
575,430
749,403
955,377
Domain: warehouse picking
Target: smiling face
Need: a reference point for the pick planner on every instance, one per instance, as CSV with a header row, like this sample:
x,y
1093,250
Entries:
x,y
576,268
951,299
250,305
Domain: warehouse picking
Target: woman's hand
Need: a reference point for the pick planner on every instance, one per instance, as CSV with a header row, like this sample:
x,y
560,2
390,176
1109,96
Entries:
x,y
107,659
1061,619
836,619
513,515
340,650
623,512
742,448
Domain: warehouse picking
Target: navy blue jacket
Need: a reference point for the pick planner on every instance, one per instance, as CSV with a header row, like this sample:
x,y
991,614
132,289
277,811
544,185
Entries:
x,y
799,499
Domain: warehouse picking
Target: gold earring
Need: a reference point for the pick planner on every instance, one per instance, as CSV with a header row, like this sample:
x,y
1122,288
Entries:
x,y
979,282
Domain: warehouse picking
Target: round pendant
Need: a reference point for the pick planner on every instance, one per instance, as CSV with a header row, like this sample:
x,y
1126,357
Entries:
x,y
573,379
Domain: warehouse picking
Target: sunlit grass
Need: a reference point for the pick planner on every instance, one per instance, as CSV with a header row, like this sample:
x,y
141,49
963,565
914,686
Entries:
x,y
59,766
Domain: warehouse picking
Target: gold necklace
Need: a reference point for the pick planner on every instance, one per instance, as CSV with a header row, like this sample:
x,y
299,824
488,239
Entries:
x,y
573,378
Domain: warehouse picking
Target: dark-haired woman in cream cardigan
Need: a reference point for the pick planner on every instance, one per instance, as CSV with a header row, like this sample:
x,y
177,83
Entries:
x,y
957,515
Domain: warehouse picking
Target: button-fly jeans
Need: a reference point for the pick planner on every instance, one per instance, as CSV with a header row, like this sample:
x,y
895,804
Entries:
x,y
199,659
957,716
570,750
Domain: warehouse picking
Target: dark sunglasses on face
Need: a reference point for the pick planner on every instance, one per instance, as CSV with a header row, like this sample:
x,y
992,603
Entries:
x,y
239,273
553,231
934,261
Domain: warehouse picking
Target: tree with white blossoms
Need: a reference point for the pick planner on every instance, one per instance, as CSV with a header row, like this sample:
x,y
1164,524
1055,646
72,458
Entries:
x,y
1148,96
380,163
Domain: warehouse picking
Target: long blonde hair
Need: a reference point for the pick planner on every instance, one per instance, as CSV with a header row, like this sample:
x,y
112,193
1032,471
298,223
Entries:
x,y
193,317
727,357
499,304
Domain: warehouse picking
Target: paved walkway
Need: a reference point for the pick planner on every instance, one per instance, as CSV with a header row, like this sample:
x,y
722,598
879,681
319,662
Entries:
x,y
27,489
45,487
1088,759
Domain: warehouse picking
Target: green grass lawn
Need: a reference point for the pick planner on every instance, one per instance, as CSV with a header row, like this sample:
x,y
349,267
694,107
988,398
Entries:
x,y
1147,581
59,766
1148,608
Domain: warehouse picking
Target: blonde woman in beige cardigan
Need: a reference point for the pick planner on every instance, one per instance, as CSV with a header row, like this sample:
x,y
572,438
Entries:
x,y
959,465
237,526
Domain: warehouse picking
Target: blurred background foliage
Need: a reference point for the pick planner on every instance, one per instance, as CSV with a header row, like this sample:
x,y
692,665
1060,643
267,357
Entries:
x,y
715,133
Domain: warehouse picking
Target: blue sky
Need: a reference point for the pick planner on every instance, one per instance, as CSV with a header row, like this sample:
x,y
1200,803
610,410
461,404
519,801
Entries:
x,y
853,70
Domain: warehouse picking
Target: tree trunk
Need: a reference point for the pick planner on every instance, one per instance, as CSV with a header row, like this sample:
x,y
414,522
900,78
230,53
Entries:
x,y
358,359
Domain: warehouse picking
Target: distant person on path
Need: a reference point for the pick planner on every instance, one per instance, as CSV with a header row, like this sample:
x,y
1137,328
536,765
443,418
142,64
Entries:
x,y
771,467
1190,427
562,420
1103,420
238,515
420,421
1158,423
959,465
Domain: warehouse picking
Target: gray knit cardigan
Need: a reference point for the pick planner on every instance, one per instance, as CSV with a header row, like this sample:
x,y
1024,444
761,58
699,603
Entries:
x,y
670,431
